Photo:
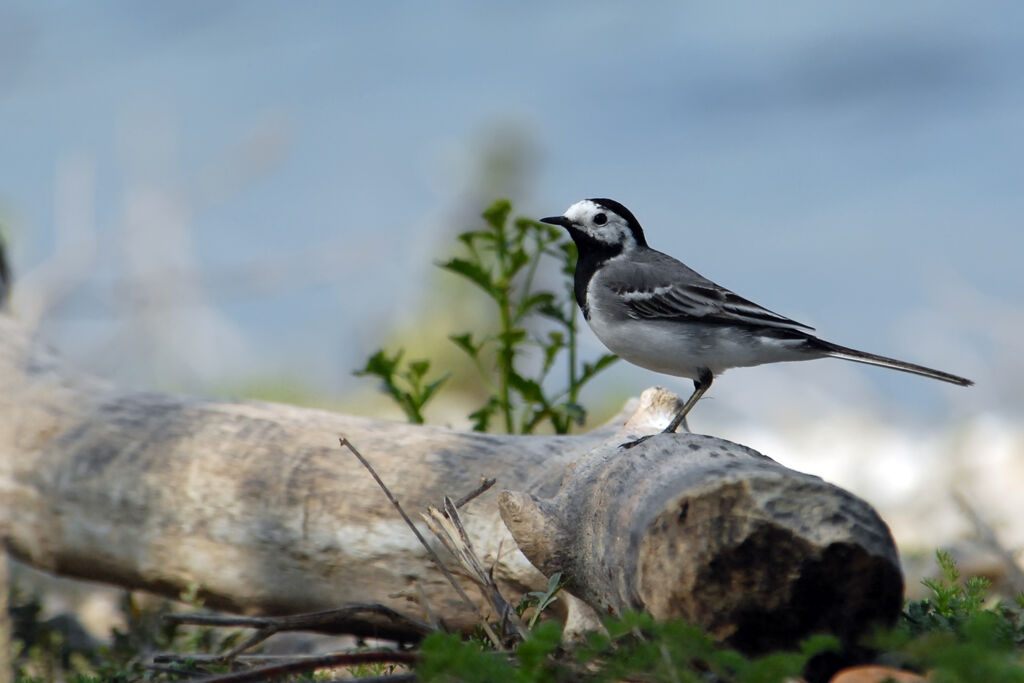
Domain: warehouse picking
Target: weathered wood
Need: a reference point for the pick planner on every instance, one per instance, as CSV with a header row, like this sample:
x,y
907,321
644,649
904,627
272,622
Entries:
x,y
689,526
257,505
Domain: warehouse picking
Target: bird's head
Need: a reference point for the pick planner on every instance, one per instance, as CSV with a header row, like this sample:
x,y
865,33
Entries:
x,y
601,223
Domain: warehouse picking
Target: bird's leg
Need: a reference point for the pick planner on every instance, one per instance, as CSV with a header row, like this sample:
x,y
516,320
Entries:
x,y
700,385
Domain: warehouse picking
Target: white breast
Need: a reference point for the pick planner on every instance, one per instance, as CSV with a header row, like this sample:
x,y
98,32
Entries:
x,y
682,349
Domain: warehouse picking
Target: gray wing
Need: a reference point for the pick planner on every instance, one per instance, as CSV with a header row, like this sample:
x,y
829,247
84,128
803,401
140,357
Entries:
x,y
659,286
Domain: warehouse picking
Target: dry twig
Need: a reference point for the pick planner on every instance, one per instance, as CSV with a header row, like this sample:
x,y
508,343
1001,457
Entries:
x,y
313,663
328,621
485,484
433,554
448,527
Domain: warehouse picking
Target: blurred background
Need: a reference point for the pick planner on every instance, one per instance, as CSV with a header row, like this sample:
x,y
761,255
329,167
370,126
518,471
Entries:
x,y
246,199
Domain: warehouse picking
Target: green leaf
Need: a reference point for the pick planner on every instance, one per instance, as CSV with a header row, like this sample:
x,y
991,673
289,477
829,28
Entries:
x,y
472,272
591,369
445,657
418,369
554,232
527,388
534,651
409,406
556,312
551,350
481,417
819,643
380,364
575,412
535,301
546,597
517,259
524,224
512,336
465,342
470,237
497,213
428,391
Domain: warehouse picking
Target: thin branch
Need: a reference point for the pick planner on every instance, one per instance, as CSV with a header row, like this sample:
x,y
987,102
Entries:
x,y
205,659
426,607
312,664
393,678
433,554
253,640
485,484
448,528
173,670
327,621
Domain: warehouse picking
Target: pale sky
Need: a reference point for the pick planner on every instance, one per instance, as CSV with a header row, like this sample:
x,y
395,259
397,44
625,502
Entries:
x,y
857,166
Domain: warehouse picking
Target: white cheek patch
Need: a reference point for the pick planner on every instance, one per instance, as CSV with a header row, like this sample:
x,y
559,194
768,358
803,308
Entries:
x,y
615,234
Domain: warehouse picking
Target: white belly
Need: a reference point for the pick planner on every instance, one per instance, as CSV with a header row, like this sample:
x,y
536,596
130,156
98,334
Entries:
x,y
682,350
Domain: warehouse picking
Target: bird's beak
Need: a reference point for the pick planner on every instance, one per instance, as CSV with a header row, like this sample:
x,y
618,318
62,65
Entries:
x,y
557,220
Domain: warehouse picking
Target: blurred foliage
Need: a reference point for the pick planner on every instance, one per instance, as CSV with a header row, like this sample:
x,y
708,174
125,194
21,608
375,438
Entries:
x,y
634,647
277,389
59,649
958,633
501,260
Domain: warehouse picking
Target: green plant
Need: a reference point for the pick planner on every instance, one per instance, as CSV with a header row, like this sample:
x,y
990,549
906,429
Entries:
x,y
635,647
952,603
502,259
407,384
958,633
678,651
541,600
48,650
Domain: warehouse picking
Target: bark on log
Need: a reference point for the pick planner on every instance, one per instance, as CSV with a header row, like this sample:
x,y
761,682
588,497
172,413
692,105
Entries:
x,y
257,505
689,526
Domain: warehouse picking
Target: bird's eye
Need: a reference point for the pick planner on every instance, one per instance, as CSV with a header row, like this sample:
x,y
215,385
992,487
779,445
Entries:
x,y
600,219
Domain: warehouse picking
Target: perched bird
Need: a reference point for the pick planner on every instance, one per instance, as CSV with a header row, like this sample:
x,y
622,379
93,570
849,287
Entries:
x,y
656,312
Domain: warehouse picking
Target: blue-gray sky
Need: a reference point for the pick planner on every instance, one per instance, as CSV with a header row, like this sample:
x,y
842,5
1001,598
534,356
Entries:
x,y
856,165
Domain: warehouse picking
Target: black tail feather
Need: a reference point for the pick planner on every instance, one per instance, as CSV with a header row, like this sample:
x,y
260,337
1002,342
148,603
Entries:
x,y
837,351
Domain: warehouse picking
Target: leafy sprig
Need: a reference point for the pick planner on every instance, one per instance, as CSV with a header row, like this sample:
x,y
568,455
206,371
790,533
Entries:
x,y
536,327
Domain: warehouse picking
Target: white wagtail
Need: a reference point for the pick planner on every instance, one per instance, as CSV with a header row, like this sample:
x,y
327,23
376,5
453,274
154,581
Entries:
x,y
657,313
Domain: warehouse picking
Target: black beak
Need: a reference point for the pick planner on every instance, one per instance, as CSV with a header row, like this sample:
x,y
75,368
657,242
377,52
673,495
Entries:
x,y
557,220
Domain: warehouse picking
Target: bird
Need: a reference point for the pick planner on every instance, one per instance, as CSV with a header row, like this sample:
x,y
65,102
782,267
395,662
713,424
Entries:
x,y
656,312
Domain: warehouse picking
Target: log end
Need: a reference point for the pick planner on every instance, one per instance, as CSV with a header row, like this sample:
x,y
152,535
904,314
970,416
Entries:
x,y
763,563
535,525
694,527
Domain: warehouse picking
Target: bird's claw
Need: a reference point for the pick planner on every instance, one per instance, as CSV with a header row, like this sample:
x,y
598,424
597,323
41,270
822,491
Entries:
x,y
635,442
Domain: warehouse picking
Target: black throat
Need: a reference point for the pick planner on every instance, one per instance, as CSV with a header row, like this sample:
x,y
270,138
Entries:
x,y
592,253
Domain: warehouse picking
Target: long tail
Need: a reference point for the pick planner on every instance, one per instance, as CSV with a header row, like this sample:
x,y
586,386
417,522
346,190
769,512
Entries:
x,y
837,351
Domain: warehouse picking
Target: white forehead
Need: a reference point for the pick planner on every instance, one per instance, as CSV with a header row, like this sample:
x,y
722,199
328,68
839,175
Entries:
x,y
582,211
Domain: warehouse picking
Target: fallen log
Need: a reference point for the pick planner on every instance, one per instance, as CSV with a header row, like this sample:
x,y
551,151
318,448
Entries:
x,y
257,506
694,527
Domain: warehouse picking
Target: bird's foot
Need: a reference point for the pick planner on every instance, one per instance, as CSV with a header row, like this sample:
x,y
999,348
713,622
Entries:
x,y
635,442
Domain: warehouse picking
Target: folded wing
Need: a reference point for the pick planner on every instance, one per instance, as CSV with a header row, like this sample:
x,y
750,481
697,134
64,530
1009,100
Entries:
x,y
662,287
